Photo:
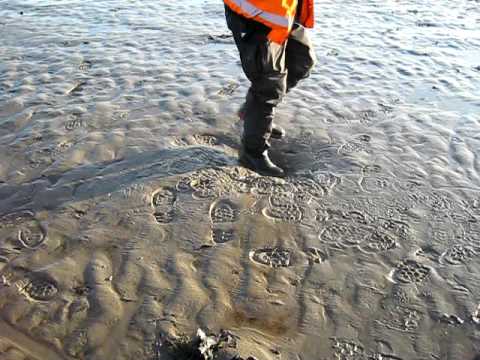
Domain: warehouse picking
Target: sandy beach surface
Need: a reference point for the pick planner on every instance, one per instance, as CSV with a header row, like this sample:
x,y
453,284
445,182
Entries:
x,y
126,223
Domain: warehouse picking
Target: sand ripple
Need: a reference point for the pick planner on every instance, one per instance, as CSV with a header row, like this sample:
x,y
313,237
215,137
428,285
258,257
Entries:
x,y
124,217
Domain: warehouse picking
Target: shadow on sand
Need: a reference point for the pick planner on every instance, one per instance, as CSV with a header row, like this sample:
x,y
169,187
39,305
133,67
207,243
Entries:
x,y
54,190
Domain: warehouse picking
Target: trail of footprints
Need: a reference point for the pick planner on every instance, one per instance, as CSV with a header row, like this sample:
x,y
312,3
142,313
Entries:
x,y
286,201
163,202
272,257
39,287
287,212
223,214
458,254
54,302
353,227
31,235
402,318
345,349
289,199
378,241
360,143
24,228
410,272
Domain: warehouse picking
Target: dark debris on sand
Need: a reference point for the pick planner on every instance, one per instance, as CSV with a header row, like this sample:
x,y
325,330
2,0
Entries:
x,y
200,347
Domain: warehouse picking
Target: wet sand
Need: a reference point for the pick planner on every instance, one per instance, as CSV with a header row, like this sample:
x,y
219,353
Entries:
x,y
124,217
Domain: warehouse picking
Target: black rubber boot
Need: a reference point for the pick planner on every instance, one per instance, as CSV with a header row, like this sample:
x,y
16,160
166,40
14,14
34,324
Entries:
x,y
277,131
260,163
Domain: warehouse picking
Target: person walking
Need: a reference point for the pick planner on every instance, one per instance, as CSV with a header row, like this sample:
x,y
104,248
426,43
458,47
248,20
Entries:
x,y
276,53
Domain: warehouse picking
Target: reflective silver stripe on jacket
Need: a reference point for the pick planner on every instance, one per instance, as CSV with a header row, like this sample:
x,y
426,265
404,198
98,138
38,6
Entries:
x,y
253,11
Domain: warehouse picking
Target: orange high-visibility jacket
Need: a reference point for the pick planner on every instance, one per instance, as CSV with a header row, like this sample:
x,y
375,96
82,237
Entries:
x,y
279,15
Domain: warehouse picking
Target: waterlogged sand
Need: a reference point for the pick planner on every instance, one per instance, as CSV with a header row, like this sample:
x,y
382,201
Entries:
x,y
125,220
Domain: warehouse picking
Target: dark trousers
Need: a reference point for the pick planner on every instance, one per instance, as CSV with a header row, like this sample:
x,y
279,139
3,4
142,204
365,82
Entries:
x,y
272,69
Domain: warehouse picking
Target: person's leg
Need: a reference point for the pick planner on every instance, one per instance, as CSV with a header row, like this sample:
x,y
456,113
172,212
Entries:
x,y
267,90
300,56
264,65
